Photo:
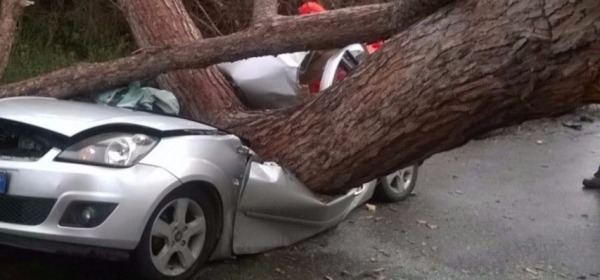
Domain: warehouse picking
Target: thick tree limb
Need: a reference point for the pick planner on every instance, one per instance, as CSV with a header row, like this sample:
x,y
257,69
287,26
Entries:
x,y
264,10
466,70
283,34
10,12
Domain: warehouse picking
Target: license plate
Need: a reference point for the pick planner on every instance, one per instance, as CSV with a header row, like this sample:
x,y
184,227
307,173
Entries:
x,y
3,182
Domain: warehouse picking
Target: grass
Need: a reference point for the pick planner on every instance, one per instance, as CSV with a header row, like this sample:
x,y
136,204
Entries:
x,y
55,35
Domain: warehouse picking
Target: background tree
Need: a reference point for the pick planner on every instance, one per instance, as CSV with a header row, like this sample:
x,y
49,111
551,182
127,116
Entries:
x,y
10,12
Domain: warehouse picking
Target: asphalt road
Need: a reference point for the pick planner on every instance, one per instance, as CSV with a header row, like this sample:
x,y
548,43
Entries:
x,y
507,207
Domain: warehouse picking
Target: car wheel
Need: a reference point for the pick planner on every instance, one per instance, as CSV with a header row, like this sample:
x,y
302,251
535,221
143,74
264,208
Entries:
x,y
178,237
397,186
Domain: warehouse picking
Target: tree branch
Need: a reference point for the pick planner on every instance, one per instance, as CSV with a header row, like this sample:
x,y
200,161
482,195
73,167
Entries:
x,y
264,10
10,13
284,34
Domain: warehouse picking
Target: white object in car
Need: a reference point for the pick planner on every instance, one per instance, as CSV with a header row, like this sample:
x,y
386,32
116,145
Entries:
x,y
267,82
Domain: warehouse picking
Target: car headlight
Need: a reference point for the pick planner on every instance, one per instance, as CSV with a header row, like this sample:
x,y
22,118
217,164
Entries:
x,y
112,149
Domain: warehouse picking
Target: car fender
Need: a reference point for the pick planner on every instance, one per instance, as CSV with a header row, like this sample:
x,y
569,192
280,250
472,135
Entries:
x,y
218,160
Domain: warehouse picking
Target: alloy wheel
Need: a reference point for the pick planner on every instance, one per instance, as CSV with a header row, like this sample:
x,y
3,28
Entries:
x,y
177,236
401,180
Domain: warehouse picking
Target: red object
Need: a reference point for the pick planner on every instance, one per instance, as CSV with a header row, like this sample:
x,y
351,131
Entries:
x,y
371,48
340,75
310,8
315,86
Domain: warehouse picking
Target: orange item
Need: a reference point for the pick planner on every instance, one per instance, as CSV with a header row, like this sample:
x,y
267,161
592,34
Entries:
x,y
310,8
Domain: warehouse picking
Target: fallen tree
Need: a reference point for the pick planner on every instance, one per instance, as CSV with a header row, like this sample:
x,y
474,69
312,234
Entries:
x,y
468,68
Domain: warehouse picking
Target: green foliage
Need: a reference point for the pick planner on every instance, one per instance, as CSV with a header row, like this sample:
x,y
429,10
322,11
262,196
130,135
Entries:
x,y
55,34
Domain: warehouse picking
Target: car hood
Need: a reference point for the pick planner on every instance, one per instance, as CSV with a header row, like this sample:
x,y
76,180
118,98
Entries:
x,y
71,117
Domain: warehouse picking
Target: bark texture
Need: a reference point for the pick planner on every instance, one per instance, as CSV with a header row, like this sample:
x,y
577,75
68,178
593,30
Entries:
x,y
467,69
10,12
264,10
279,35
203,93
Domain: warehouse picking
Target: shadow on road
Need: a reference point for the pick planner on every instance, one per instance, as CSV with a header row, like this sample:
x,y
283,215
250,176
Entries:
x,y
23,264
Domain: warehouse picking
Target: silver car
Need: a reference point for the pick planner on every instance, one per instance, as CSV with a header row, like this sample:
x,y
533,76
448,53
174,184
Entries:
x,y
165,192
95,180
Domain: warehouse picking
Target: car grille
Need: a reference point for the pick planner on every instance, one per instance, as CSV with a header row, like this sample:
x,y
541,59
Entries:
x,y
25,210
19,141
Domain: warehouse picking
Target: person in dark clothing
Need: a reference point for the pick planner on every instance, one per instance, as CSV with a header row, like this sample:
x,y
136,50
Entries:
x,y
592,182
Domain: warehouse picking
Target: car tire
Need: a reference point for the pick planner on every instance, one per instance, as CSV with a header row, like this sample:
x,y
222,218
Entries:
x,y
163,255
397,186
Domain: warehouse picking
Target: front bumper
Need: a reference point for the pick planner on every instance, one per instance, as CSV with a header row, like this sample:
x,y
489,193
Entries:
x,y
136,191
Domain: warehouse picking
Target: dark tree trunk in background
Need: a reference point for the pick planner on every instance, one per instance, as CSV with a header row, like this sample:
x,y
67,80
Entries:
x,y
10,12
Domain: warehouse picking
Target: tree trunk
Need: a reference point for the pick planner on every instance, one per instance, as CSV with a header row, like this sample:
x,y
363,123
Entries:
x,y
10,12
203,93
264,10
467,69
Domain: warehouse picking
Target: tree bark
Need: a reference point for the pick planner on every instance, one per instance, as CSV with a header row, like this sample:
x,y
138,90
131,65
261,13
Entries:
x,y
467,69
203,93
264,10
280,35
10,12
